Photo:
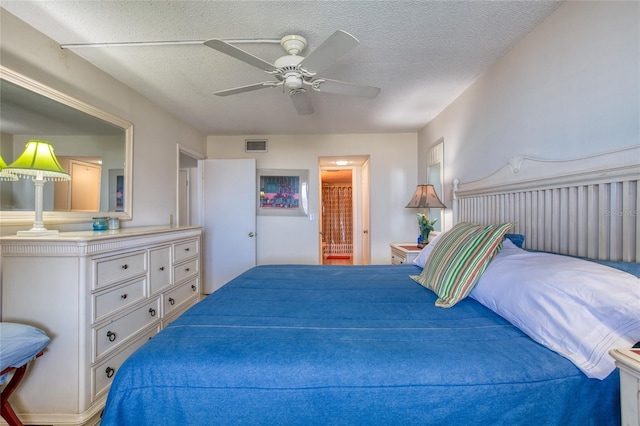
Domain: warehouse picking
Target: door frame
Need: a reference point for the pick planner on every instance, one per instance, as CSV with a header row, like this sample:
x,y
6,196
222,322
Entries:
x,y
358,164
183,198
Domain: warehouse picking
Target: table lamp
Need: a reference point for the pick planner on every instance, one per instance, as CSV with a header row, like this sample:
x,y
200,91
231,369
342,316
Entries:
x,y
39,163
425,197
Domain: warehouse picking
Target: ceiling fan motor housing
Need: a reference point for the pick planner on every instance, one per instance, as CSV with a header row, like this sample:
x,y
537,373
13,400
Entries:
x,y
288,67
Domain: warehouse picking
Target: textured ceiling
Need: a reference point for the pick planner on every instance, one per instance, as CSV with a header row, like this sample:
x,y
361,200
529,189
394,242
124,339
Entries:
x,y
422,54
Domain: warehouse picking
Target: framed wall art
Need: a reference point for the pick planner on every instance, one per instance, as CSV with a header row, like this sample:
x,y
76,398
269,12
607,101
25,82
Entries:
x,y
283,192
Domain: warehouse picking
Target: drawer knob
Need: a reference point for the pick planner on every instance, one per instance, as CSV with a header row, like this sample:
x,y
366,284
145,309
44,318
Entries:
x,y
111,336
171,301
162,268
193,287
125,266
124,296
152,312
187,249
110,372
186,269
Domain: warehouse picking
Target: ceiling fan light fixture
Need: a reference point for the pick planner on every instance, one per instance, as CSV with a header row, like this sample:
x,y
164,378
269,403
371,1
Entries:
x,y
293,81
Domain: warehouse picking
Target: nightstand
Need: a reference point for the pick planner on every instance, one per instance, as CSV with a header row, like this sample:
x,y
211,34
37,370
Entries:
x,y
628,362
402,253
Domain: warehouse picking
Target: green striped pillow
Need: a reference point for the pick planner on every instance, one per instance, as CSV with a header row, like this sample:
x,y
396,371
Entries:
x,y
459,259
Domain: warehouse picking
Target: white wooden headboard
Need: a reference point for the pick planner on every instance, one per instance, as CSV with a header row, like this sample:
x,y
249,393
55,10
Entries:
x,y
584,207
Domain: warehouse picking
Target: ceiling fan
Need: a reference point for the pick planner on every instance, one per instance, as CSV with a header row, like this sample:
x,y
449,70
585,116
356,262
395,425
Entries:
x,y
297,73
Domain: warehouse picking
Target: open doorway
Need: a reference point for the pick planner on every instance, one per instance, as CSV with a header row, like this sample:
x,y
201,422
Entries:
x,y
188,187
344,237
337,216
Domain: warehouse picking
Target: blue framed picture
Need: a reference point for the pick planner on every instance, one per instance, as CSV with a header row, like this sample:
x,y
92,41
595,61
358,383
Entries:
x,y
283,192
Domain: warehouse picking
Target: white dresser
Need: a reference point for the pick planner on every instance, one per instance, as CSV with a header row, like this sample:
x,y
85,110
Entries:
x,y
99,296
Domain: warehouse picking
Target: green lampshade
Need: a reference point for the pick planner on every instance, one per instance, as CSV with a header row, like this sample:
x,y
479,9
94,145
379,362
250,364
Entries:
x,y
5,174
38,160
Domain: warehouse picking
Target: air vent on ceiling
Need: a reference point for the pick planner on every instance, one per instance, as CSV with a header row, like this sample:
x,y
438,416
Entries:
x,y
255,145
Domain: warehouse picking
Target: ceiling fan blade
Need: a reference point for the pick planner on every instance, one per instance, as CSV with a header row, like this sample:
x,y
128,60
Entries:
x,y
337,45
344,88
248,88
301,101
231,50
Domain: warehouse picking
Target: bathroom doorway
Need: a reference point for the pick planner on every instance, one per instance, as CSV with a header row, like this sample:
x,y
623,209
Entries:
x,y
337,216
343,214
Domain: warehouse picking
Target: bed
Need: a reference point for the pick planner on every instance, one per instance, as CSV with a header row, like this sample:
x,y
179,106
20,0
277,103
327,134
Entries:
x,y
309,344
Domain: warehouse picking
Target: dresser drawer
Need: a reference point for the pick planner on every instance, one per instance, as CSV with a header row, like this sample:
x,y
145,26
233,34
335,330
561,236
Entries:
x,y
185,270
177,312
175,298
118,268
118,298
185,250
159,269
103,373
404,253
117,332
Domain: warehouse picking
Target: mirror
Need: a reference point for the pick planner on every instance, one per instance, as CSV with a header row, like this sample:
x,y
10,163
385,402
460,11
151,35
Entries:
x,y
435,177
93,146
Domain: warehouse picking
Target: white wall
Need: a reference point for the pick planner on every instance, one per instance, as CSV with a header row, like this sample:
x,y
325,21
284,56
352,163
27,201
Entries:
x,y
156,132
393,171
571,88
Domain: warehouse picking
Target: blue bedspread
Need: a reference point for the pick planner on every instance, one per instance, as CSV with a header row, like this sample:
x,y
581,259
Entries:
x,y
349,345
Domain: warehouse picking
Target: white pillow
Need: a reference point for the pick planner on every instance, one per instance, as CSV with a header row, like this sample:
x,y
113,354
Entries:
x,y
421,259
577,308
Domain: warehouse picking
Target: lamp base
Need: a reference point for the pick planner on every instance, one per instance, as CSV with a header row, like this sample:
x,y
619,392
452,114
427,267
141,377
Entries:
x,y
38,233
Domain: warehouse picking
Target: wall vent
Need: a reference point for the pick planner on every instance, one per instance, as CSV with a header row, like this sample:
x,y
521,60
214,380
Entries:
x,y
255,145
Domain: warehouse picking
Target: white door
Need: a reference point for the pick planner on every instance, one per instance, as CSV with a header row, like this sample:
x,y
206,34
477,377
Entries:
x,y
229,202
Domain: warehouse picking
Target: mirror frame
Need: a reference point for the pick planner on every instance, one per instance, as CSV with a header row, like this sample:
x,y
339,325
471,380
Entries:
x,y
435,157
57,217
